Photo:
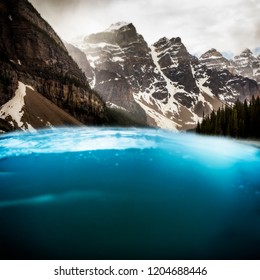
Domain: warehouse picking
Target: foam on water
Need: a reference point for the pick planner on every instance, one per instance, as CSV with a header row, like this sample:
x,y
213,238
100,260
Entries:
x,y
101,193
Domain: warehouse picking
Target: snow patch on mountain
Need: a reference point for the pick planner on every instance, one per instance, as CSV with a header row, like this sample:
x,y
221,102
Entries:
x,y
160,120
172,104
200,82
13,109
114,106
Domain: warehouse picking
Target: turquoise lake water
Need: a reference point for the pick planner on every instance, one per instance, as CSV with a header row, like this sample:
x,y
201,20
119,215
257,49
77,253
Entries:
x,y
101,193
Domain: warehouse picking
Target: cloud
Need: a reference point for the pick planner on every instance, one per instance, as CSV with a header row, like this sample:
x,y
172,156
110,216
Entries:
x,y
228,25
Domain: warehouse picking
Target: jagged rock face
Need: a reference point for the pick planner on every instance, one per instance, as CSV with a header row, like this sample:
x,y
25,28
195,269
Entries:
x,y
118,57
174,61
223,78
247,65
195,86
169,84
32,53
228,88
215,60
81,60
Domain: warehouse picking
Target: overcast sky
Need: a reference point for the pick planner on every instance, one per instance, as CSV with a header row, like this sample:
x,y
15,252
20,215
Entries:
x,y
227,25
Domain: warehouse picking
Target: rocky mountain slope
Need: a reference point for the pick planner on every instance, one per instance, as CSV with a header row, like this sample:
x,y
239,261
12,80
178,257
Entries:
x,y
162,85
36,72
245,64
215,60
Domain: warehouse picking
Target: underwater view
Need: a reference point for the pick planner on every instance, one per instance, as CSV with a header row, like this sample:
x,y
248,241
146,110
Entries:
x,y
115,193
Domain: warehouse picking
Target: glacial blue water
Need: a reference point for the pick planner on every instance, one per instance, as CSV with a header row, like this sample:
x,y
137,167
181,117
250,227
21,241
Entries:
x,y
111,193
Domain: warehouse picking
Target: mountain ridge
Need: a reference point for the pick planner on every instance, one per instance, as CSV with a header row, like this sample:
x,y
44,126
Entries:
x,y
245,64
172,86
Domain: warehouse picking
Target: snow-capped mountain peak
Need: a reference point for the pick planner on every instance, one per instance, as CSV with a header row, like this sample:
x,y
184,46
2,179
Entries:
x,y
213,59
212,53
117,26
246,64
246,52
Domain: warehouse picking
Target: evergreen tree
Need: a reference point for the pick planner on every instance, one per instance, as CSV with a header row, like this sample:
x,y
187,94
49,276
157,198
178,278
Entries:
x,y
240,121
234,123
198,130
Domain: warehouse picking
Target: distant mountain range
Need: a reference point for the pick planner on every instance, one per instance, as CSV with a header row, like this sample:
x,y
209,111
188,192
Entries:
x,y
245,64
122,80
163,84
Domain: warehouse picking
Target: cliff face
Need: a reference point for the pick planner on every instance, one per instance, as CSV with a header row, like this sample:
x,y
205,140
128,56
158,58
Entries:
x,y
81,60
32,53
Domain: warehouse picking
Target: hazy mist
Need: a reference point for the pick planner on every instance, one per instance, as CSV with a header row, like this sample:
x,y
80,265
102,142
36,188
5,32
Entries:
x,y
227,25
